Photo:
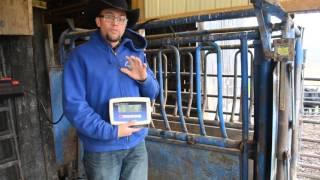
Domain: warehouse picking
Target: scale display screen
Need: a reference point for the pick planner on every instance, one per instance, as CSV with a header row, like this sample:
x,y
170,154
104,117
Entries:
x,y
127,109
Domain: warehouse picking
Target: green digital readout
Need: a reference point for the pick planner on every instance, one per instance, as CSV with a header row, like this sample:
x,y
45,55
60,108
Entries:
x,y
125,107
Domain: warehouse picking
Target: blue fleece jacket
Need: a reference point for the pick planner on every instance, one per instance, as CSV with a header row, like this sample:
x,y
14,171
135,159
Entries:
x,y
91,78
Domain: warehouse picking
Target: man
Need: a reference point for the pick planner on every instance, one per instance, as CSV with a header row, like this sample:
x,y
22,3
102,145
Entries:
x,y
110,65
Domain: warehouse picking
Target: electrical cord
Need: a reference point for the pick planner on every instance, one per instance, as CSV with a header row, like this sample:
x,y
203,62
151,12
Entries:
x,y
44,108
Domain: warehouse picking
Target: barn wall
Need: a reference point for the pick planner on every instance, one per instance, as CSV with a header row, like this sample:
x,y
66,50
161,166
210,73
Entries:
x,y
25,61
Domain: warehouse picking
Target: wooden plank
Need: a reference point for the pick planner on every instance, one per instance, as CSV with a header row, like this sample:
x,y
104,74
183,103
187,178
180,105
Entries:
x,y
49,48
39,4
16,17
46,161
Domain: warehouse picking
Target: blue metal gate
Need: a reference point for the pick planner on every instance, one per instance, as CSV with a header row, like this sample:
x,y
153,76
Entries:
x,y
182,144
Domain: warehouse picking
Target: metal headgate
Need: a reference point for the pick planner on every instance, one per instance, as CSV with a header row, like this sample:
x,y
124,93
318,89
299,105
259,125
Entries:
x,y
185,144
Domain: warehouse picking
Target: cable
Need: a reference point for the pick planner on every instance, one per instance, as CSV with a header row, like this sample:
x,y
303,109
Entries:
x,y
44,108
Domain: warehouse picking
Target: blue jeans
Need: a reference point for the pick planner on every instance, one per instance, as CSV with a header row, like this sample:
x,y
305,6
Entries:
x,y
131,164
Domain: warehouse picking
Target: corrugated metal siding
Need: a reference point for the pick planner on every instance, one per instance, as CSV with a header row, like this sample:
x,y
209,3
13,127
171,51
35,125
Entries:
x,y
223,4
165,7
179,6
156,8
236,3
192,5
151,8
208,4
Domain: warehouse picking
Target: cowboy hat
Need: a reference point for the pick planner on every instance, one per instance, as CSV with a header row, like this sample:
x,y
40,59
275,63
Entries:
x,y
96,6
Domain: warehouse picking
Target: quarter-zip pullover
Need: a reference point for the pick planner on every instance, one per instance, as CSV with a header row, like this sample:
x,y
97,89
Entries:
x,y
91,78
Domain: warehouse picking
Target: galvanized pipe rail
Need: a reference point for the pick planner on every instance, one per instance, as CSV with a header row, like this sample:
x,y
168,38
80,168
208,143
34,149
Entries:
x,y
195,139
202,32
251,35
208,122
193,48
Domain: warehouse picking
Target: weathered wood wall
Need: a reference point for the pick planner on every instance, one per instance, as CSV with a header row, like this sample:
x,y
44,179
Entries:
x,y
25,60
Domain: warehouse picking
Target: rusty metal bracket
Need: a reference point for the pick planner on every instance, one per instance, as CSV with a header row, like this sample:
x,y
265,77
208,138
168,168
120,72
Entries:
x,y
284,49
263,10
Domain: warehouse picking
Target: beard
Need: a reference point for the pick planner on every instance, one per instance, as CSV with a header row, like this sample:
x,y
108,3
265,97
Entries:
x,y
113,38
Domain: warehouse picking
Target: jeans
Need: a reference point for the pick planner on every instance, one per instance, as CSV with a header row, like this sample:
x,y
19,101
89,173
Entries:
x,y
131,164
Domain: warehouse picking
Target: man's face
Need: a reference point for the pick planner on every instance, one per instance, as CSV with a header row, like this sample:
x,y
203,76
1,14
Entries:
x,y
112,24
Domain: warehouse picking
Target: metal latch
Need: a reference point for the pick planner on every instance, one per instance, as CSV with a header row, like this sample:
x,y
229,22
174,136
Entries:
x,y
284,49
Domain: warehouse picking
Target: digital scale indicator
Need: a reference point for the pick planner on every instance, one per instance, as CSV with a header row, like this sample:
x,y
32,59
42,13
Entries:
x,y
123,110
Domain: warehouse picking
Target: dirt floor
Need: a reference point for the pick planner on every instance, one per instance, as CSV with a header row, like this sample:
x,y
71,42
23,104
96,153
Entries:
x,y
310,131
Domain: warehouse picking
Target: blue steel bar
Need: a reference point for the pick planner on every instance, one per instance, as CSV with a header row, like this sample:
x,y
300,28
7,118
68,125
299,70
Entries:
x,y
245,106
198,87
196,139
205,32
262,112
162,110
201,18
178,78
220,99
252,35
198,90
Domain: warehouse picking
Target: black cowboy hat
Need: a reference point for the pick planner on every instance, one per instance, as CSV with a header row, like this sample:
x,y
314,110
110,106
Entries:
x,y
96,6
